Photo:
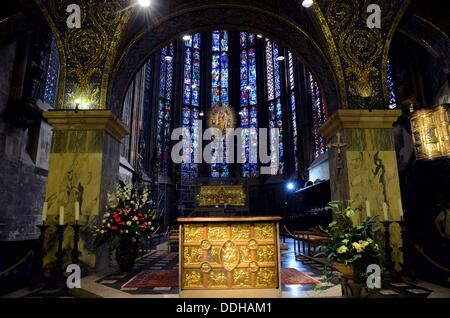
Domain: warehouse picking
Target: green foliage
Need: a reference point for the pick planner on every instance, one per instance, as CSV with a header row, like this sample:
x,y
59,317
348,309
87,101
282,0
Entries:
x,y
352,244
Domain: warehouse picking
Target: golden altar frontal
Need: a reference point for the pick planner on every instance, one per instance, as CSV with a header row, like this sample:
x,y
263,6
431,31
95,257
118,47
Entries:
x,y
229,257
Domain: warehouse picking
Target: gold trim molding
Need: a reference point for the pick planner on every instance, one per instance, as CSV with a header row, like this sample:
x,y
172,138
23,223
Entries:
x,y
362,119
87,120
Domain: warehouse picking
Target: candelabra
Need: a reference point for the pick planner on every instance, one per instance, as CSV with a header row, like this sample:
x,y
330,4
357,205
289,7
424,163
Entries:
x,y
39,254
387,246
76,238
59,264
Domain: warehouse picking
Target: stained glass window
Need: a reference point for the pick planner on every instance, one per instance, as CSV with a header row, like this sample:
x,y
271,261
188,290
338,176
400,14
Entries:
x,y
191,102
165,108
273,80
126,119
249,111
293,104
135,108
319,117
391,89
219,92
51,82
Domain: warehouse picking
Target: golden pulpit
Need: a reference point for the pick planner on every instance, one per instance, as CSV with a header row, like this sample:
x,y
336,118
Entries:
x,y
229,257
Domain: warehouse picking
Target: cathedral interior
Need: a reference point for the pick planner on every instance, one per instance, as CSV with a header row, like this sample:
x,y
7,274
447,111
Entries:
x,y
336,100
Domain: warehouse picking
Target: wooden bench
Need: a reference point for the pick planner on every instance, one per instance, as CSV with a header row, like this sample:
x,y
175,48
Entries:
x,y
312,238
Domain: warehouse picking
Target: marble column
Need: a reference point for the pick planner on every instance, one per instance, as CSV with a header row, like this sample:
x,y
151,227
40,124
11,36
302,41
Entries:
x,y
368,170
84,167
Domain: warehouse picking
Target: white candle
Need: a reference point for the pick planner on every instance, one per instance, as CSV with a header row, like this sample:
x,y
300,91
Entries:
x,y
61,215
44,211
368,208
400,208
385,211
77,211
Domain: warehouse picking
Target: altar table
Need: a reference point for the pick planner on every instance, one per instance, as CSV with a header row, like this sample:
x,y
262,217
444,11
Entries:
x,y
229,257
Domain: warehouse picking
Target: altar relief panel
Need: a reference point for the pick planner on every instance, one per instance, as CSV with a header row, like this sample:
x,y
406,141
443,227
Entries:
x,y
229,256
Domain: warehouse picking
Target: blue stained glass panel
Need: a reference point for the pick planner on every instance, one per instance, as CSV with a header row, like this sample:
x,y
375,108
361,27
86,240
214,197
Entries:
x,y
269,71
277,74
216,41
243,39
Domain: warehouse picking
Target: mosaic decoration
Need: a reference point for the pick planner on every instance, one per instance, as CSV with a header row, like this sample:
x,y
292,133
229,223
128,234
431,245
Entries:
x,y
86,54
359,54
229,263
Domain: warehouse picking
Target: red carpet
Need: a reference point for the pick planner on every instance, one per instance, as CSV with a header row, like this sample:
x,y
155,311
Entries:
x,y
169,278
292,276
152,278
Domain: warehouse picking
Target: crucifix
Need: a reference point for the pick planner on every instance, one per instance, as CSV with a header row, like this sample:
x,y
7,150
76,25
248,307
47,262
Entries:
x,y
339,145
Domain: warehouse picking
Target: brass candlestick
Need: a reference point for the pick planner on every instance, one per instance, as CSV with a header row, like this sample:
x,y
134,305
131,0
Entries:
x,y
59,264
39,254
76,238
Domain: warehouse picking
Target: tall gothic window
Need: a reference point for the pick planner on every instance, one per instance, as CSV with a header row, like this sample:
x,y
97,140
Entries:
x,y
165,108
273,80
51,82
191,101
133,113
127,114
293,108
319,116
219,92
249,101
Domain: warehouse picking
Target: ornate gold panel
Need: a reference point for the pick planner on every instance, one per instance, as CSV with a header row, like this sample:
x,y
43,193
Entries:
x,y
233,255
229,255
192,279
240,232
430,131
214,257
219,195
242,277
266,254
217,232
245,254
193,255
267,277
264,232
218,278
193,232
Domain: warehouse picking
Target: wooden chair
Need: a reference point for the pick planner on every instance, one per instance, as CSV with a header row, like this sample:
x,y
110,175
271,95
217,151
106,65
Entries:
x,y
174,239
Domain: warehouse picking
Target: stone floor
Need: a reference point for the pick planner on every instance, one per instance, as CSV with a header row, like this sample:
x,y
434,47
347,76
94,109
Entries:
x,y
162,266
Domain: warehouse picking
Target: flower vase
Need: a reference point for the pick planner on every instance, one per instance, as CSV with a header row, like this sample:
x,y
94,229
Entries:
x,y
345,269
126,254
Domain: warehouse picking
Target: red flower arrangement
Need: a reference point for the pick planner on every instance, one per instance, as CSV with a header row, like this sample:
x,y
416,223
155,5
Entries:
x,y
127,217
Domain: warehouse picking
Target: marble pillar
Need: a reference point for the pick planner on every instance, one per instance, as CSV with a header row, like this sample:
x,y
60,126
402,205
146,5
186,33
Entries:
x,y
368,169
83,167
